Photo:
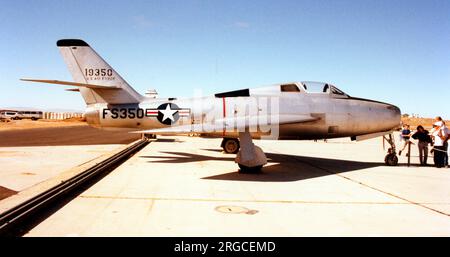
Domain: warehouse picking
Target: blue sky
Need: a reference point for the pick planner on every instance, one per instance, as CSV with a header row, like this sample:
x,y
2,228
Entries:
x,y
392,51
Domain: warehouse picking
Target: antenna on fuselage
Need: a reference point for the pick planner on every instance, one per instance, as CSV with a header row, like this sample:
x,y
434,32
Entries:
x,y
151,93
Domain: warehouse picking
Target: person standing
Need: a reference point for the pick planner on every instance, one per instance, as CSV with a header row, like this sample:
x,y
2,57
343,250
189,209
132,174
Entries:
x,y
446,135
439,135
424,139
446,147
406,133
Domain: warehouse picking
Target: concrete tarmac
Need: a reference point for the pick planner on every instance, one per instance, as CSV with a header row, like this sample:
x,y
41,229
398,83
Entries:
x,y
23,167
185,186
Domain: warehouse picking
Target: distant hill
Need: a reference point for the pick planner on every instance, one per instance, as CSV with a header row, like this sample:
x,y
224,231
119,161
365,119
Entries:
x,y
425,122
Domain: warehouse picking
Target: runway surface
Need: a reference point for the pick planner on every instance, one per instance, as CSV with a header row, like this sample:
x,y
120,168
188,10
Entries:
x,y
185,186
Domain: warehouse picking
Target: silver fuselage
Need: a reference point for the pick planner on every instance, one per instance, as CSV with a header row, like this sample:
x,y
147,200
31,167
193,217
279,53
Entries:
x,y
334,115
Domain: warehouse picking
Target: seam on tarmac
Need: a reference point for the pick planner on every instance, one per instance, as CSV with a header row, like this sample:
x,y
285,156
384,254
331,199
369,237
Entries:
x,y
240,200
371,187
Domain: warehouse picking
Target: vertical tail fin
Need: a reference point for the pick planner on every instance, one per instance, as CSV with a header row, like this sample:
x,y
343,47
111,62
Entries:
x,y
86,66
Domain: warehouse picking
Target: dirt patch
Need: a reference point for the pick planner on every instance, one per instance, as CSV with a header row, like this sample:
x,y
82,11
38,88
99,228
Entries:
x,y
5,192
28,173
80,134
75,119
29,124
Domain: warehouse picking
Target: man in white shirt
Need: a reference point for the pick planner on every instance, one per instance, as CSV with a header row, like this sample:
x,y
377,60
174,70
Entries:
x,y
446,147
440,136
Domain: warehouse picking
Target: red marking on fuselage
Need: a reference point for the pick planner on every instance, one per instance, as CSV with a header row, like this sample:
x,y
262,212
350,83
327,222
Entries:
x,y
224,114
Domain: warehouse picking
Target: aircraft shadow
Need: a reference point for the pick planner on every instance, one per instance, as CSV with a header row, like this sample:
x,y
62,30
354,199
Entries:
x,y
280,167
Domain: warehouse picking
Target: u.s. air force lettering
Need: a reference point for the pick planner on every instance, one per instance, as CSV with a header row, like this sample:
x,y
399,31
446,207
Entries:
x,y
167,113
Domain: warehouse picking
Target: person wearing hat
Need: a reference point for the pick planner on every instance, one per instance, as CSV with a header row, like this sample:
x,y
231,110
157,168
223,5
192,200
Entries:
x,y
441,124
447,135
440,136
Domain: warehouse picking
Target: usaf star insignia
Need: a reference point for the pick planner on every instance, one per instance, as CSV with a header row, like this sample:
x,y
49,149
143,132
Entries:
x,y
168,113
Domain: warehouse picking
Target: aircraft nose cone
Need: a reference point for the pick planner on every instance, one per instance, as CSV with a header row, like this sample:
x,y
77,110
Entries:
x,y
395,114
394,109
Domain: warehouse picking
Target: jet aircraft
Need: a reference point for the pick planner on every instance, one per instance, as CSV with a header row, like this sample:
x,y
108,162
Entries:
x,y
286,111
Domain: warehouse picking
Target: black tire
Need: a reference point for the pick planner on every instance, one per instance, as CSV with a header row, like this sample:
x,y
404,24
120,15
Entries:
x,y
230,145
391,159
245,169
33,118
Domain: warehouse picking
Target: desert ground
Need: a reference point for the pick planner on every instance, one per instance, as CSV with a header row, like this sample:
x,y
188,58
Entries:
x,y
33,151
52,133
29,124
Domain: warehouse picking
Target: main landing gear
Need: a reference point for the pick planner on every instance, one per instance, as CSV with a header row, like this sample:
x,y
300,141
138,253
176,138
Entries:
x,y
230,145
391,158
249,157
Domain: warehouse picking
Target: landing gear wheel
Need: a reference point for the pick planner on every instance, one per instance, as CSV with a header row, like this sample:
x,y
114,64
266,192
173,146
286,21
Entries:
x,y
391,159
230,145
245,169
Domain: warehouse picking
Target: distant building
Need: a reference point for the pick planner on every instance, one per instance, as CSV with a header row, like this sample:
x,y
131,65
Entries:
x,y
22,113
62,115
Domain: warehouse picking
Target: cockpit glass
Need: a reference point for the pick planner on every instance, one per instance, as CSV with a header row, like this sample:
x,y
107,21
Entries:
x,y
316,87
289,88
320,87
336,91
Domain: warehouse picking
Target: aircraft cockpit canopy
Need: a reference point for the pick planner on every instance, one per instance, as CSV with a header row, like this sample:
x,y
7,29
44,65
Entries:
x,y
289,88
321,87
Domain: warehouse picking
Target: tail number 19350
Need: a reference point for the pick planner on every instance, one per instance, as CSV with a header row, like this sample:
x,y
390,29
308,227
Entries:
x,y
98,72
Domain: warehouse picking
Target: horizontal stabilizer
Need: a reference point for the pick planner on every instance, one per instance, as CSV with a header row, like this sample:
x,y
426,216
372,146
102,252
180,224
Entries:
x,y
72,89
230,124
68,83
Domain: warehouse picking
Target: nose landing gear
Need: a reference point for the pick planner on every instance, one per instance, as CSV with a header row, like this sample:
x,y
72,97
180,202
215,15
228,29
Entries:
x,y
391,158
